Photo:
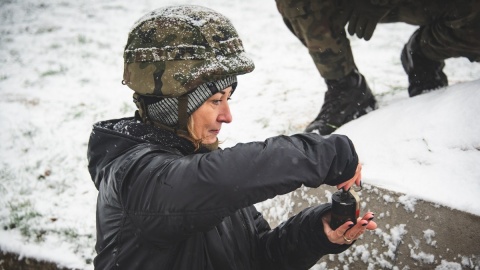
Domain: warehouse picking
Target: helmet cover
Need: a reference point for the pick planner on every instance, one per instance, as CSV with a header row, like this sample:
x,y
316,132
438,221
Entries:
x,y
173,50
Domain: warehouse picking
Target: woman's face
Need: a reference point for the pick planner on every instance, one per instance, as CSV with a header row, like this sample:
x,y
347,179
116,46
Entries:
x,y
209,117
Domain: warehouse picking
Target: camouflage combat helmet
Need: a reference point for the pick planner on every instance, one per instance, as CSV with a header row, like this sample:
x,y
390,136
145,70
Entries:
x,y
171,51
178,56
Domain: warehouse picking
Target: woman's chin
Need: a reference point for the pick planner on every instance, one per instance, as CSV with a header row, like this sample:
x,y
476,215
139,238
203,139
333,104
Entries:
x,y
209,140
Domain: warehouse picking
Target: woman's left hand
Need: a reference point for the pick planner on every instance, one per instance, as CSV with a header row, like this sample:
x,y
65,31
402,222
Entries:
x,y
347,232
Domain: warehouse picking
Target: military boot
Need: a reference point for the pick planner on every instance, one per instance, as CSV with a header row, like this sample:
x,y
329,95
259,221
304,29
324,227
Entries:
x,y
424,74
346,99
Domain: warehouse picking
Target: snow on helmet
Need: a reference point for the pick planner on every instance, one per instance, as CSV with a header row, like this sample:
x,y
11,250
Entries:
x,y
172,50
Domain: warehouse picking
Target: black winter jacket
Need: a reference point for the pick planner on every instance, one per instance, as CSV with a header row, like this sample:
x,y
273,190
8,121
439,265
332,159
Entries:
x,y
161,205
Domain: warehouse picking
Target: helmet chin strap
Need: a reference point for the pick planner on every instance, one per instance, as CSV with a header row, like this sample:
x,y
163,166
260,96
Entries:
x,y
182,113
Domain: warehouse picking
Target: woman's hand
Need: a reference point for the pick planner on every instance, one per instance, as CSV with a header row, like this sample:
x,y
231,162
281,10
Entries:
x,y
347,233
356,179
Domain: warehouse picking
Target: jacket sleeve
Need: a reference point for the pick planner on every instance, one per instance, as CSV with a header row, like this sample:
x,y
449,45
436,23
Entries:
x,y
193,193
297,243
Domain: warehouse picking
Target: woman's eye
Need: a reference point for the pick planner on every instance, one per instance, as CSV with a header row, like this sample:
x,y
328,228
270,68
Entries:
x,y
216,101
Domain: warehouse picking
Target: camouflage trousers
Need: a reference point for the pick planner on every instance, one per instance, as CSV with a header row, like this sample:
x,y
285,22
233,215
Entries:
x,y
447,29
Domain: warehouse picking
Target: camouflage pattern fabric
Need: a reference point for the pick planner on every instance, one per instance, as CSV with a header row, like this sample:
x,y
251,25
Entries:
x,y
172,50
447,29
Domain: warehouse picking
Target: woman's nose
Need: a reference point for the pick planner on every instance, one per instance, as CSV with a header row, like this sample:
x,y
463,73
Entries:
x,y
225,116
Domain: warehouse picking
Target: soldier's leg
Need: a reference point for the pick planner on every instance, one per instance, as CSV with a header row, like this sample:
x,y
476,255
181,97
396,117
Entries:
x,y
348,95
311,22
455,34
447,29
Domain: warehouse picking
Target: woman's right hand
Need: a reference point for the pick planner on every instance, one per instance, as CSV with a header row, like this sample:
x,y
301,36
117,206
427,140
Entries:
x,y
356,179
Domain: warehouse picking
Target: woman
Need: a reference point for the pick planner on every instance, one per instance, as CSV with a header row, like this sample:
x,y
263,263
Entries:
x,y
169,198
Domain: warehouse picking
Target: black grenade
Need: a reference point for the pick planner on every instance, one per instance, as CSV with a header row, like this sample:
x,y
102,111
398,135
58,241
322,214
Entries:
x,y
345,207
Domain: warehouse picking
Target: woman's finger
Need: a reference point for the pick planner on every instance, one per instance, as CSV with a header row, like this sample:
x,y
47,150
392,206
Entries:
x,y
336,236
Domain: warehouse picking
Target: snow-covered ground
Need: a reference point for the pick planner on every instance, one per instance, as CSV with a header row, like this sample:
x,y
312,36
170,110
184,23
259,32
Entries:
x,y
61,68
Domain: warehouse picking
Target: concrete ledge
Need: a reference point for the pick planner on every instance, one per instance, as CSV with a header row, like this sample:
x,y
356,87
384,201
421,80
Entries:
x,y
411,234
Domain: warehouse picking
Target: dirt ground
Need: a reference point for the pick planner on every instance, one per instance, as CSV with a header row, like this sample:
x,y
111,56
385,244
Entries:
x,y
9,261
